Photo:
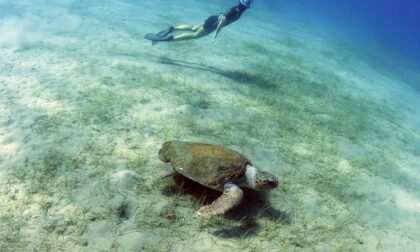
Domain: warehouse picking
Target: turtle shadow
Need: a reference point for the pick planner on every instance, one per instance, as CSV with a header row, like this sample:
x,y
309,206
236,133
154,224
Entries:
x,y
238,76
254,207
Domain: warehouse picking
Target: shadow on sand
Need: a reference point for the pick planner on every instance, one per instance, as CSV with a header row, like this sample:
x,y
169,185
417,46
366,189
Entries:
x,y
256,80
254,206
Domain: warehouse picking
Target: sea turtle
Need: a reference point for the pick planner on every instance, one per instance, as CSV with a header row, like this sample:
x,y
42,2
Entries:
x,y
218,168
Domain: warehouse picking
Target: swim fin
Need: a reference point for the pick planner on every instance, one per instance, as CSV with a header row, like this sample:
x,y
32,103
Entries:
x,y
156,38
166,32
160,36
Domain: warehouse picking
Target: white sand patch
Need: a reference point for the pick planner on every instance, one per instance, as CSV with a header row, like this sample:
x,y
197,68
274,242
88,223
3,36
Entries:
x,y
301,149
99,236
9,148
124,179
34,28
388,209
344,166
407,201
409,164
132,241
42,104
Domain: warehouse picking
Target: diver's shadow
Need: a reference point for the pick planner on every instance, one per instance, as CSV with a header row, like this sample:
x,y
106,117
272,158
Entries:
x,y
254,206
256,80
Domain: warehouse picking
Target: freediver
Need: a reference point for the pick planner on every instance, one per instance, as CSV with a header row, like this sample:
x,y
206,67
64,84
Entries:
x,y
212,23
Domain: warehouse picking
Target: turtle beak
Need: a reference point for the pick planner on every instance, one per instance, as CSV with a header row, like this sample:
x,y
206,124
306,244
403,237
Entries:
x,y
273,183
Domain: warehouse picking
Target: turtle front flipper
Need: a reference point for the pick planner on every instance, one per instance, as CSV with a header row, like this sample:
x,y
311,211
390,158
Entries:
x,y
232,196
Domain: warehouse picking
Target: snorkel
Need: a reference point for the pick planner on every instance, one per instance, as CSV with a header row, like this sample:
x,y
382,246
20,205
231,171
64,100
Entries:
x,y
246,3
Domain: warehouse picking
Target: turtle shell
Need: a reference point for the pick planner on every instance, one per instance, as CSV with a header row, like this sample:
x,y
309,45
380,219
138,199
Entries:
x,y
207,164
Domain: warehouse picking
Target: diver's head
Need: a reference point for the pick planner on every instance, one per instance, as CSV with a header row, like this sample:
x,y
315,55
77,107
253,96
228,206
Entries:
x,y
246,3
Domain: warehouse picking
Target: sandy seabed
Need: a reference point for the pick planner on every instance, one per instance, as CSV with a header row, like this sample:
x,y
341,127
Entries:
x,y
86,102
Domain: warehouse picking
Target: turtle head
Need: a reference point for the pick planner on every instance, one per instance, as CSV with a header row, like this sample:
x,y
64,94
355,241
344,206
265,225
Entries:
x,y
260,180
265,181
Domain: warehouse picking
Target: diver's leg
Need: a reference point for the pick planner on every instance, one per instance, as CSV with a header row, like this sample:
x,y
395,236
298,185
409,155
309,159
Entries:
x,y
198,33
184,28
191,35
187,27
197,27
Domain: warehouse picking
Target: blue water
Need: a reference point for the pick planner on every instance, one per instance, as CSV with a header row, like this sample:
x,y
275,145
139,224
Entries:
x,y
395,25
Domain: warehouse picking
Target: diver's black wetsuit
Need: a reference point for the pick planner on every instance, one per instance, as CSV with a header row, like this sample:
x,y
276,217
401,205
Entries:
x,y
231,15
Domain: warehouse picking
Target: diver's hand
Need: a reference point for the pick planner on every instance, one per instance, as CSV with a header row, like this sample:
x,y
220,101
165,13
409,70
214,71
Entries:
x,y
219,27
215,36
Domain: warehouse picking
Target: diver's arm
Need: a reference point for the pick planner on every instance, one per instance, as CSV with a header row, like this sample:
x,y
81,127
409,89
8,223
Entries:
x,y
219,27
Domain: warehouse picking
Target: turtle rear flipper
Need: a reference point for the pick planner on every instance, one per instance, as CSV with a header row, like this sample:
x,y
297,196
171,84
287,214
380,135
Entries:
x,y
232,196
